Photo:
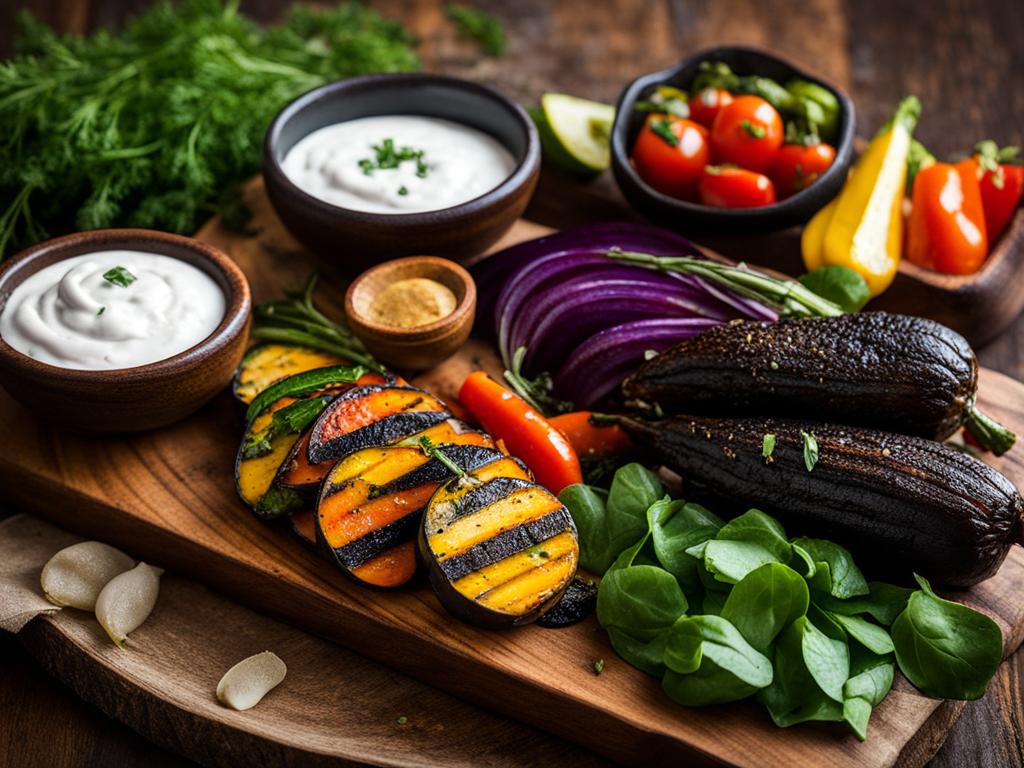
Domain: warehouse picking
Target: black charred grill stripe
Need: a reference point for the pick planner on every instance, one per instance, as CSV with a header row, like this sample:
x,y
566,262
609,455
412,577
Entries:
x,y
382,432
492,491
506,544
357,552
469,457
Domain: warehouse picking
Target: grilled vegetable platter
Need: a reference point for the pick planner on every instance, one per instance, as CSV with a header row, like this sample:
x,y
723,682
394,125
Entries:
x,y
756,491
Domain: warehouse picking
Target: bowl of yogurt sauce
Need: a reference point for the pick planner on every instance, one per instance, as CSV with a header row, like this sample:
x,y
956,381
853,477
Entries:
x,y
120,330
371,168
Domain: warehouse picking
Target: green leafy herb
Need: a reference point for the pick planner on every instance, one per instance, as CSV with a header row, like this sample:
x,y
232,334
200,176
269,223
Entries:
x,y
765,601
289,420
663,129
840,285
835,572
479,26
946,649
402,720
119,276
991,158
599,666
388,158
151,124
403,191
100,311
756,131
768,446
810,450
278,501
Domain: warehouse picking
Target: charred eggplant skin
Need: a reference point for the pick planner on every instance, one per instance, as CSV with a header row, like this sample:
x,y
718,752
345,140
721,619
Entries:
x,y
897,501
872,369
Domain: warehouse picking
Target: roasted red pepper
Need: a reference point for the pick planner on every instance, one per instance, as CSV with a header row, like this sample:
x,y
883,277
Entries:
x,y
1002,183
526,434
946,231
590,439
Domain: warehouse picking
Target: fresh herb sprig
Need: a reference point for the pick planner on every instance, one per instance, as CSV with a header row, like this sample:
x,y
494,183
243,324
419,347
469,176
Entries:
x,y
388,157
296,320
119,276
150,125
789,297
477,25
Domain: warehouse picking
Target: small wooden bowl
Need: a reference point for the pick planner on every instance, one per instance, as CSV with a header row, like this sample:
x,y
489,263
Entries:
x,y
146,396
422,347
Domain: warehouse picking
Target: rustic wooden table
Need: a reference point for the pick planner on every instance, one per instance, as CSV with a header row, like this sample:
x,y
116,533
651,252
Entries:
x,y
962,58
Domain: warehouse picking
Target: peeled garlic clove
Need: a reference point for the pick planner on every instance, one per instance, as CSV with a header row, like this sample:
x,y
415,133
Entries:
x,y
76,575
127,600
250,680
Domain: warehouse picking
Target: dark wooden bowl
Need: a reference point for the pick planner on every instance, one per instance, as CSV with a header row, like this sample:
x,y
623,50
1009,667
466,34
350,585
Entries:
x,y
357,239
422,347
694,218
146,396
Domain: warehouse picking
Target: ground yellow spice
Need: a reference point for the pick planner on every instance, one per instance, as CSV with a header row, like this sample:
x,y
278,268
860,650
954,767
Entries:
x,y
412,302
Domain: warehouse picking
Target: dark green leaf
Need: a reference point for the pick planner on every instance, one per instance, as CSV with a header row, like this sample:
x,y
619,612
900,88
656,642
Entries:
x,y
842,578
810,450
119,276
871,636
883,603
764,602
676,527
840,285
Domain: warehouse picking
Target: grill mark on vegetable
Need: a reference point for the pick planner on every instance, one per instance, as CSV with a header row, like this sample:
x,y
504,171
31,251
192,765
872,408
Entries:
x,y
377,541
506,544
489,493
957,515
385,431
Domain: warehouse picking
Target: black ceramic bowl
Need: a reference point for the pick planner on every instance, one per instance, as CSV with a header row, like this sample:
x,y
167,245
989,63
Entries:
x,y
693,217
357,239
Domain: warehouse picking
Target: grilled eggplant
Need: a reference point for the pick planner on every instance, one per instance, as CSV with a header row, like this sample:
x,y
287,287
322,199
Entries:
x,y
873,369
372,502
500,549
897,501
266,364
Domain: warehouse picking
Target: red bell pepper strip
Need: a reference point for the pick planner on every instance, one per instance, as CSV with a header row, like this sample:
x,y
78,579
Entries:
x,y
590,439
526,434
946,231
1002,184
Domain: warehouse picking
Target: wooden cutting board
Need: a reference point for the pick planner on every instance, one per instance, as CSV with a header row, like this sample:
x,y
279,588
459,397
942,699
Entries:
x,y
169,497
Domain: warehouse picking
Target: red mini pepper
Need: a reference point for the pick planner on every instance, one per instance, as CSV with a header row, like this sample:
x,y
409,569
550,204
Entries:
x,y
526,434
946,231
1002,184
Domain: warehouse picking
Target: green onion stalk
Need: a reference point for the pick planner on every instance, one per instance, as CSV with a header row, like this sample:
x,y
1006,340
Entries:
x,y
295,320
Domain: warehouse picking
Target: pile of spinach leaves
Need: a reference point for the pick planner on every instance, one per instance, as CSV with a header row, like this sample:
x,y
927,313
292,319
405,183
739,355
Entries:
x,y
723,611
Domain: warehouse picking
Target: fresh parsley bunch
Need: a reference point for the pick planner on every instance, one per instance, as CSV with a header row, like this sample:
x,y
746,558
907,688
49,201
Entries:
x,y
152,125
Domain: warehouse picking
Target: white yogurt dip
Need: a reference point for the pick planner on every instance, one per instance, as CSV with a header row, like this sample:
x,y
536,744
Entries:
x,y
88,313
397,164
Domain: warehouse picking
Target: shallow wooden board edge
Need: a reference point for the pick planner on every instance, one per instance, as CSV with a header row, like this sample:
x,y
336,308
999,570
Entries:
x,y
162,686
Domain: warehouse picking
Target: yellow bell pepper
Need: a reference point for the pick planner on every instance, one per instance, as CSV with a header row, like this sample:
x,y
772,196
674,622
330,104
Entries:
x,y
812,239
865,232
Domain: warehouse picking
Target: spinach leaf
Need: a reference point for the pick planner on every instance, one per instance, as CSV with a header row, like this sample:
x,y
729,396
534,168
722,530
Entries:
x,y
871,636
640,600
840,285
764,602
884,602
756,527
676,527
835,572
731,561
709,662
794,696
946,649
802,562
645,655
870,680
608,522
825,652
714,602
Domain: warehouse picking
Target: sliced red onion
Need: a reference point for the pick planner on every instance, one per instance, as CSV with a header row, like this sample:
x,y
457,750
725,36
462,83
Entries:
x,y
597,367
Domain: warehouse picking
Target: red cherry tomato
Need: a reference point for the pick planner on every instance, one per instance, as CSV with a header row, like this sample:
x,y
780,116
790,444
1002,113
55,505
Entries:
x,y
796,167
670,154
704,106
727,187
747,132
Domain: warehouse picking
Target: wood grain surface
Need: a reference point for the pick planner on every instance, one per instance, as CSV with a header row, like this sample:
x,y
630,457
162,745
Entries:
x,y
962,58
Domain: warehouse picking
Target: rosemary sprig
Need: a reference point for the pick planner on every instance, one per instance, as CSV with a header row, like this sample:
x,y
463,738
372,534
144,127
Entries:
x,y
431,450
788,297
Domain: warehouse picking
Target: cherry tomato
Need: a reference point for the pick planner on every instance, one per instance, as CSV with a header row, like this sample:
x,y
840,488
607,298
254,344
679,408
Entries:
x,y
704,106
670,154
747,132
1001,192
796,166
728,187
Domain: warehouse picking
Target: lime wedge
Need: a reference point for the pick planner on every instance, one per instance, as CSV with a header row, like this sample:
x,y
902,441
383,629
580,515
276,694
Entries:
x,y
575,132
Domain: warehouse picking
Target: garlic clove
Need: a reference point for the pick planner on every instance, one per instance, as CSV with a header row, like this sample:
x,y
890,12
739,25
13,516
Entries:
x,y
75,576
246,683
127,600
